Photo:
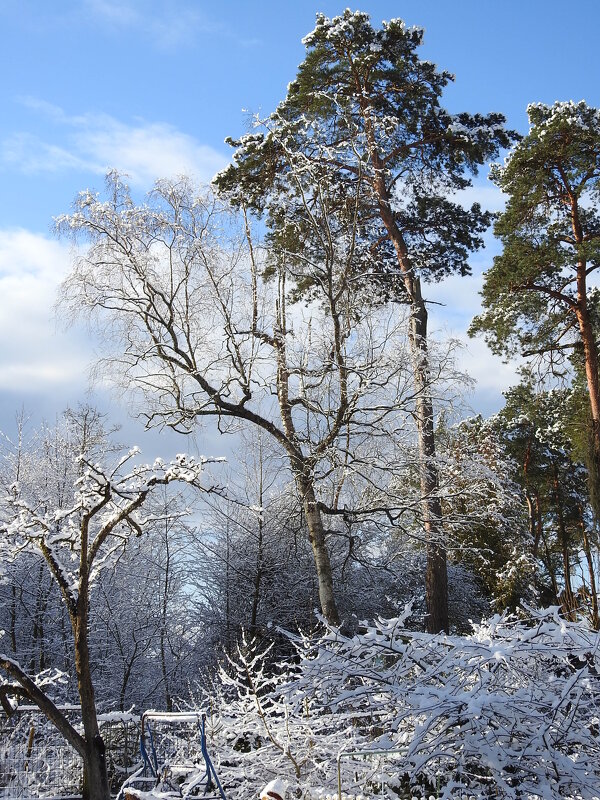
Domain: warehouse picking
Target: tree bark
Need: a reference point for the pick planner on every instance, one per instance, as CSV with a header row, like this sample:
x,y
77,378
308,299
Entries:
x,y
302,470
316,535
163,623
13,618
590,349
569,604
590,564
436,581
259,551
590,353
536,522
550,569
95,777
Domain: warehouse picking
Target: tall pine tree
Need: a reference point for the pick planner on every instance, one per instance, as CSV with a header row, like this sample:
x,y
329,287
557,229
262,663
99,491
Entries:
x,y
537,297
362,122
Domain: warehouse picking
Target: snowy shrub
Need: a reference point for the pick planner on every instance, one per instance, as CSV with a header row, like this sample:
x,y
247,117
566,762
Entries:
x,y
511,711
264,728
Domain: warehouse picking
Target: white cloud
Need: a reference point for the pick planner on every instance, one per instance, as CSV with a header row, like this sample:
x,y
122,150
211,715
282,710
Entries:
x,y
147,150
32,155
454,300
34,356
96,142
453,304
493,376
45,368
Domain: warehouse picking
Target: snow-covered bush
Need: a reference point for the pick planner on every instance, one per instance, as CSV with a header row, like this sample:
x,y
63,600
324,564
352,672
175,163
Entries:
x,y
510,711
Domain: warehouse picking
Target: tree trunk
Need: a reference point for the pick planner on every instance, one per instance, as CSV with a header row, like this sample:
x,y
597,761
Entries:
x,y
163,622
259,566
228,637
38,662
590,564
590,352
301,470
436,581
532,509
259,552
550,569
316,535
13,619
569,604
95,778
257,578
540,522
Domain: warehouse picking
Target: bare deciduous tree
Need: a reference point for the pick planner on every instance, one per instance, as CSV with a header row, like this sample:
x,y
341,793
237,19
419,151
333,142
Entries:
x,y
176,282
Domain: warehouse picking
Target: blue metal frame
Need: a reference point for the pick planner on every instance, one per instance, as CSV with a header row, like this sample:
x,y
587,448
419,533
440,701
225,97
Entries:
x,y
151,768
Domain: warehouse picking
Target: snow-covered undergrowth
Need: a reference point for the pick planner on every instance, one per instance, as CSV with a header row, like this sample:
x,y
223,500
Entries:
x,y
511,711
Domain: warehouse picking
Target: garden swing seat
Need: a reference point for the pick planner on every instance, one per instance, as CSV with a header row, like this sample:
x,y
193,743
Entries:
x,y
171,763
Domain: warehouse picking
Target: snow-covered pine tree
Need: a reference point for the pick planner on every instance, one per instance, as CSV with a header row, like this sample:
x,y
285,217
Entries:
x,y
536,295
364,116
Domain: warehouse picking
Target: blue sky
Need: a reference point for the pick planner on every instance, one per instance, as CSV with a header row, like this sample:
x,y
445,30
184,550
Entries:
x,y
153,88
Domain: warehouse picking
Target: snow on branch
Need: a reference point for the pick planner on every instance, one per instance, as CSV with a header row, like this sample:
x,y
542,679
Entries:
x,y
79,541
511,710
514,706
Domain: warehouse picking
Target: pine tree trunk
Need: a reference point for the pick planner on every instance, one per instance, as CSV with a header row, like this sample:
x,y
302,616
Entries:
x,y
534,529
436,581
532,509
590,352
569,598
590,564
551,570
540,523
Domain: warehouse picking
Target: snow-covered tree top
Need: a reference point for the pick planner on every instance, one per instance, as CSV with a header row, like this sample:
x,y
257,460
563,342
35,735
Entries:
x,y
355,25
568,111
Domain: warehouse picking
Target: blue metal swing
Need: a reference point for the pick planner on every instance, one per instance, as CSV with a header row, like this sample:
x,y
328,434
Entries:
x,y
154,772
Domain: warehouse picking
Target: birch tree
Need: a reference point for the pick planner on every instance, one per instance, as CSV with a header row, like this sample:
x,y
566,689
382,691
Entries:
x,y
175,286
